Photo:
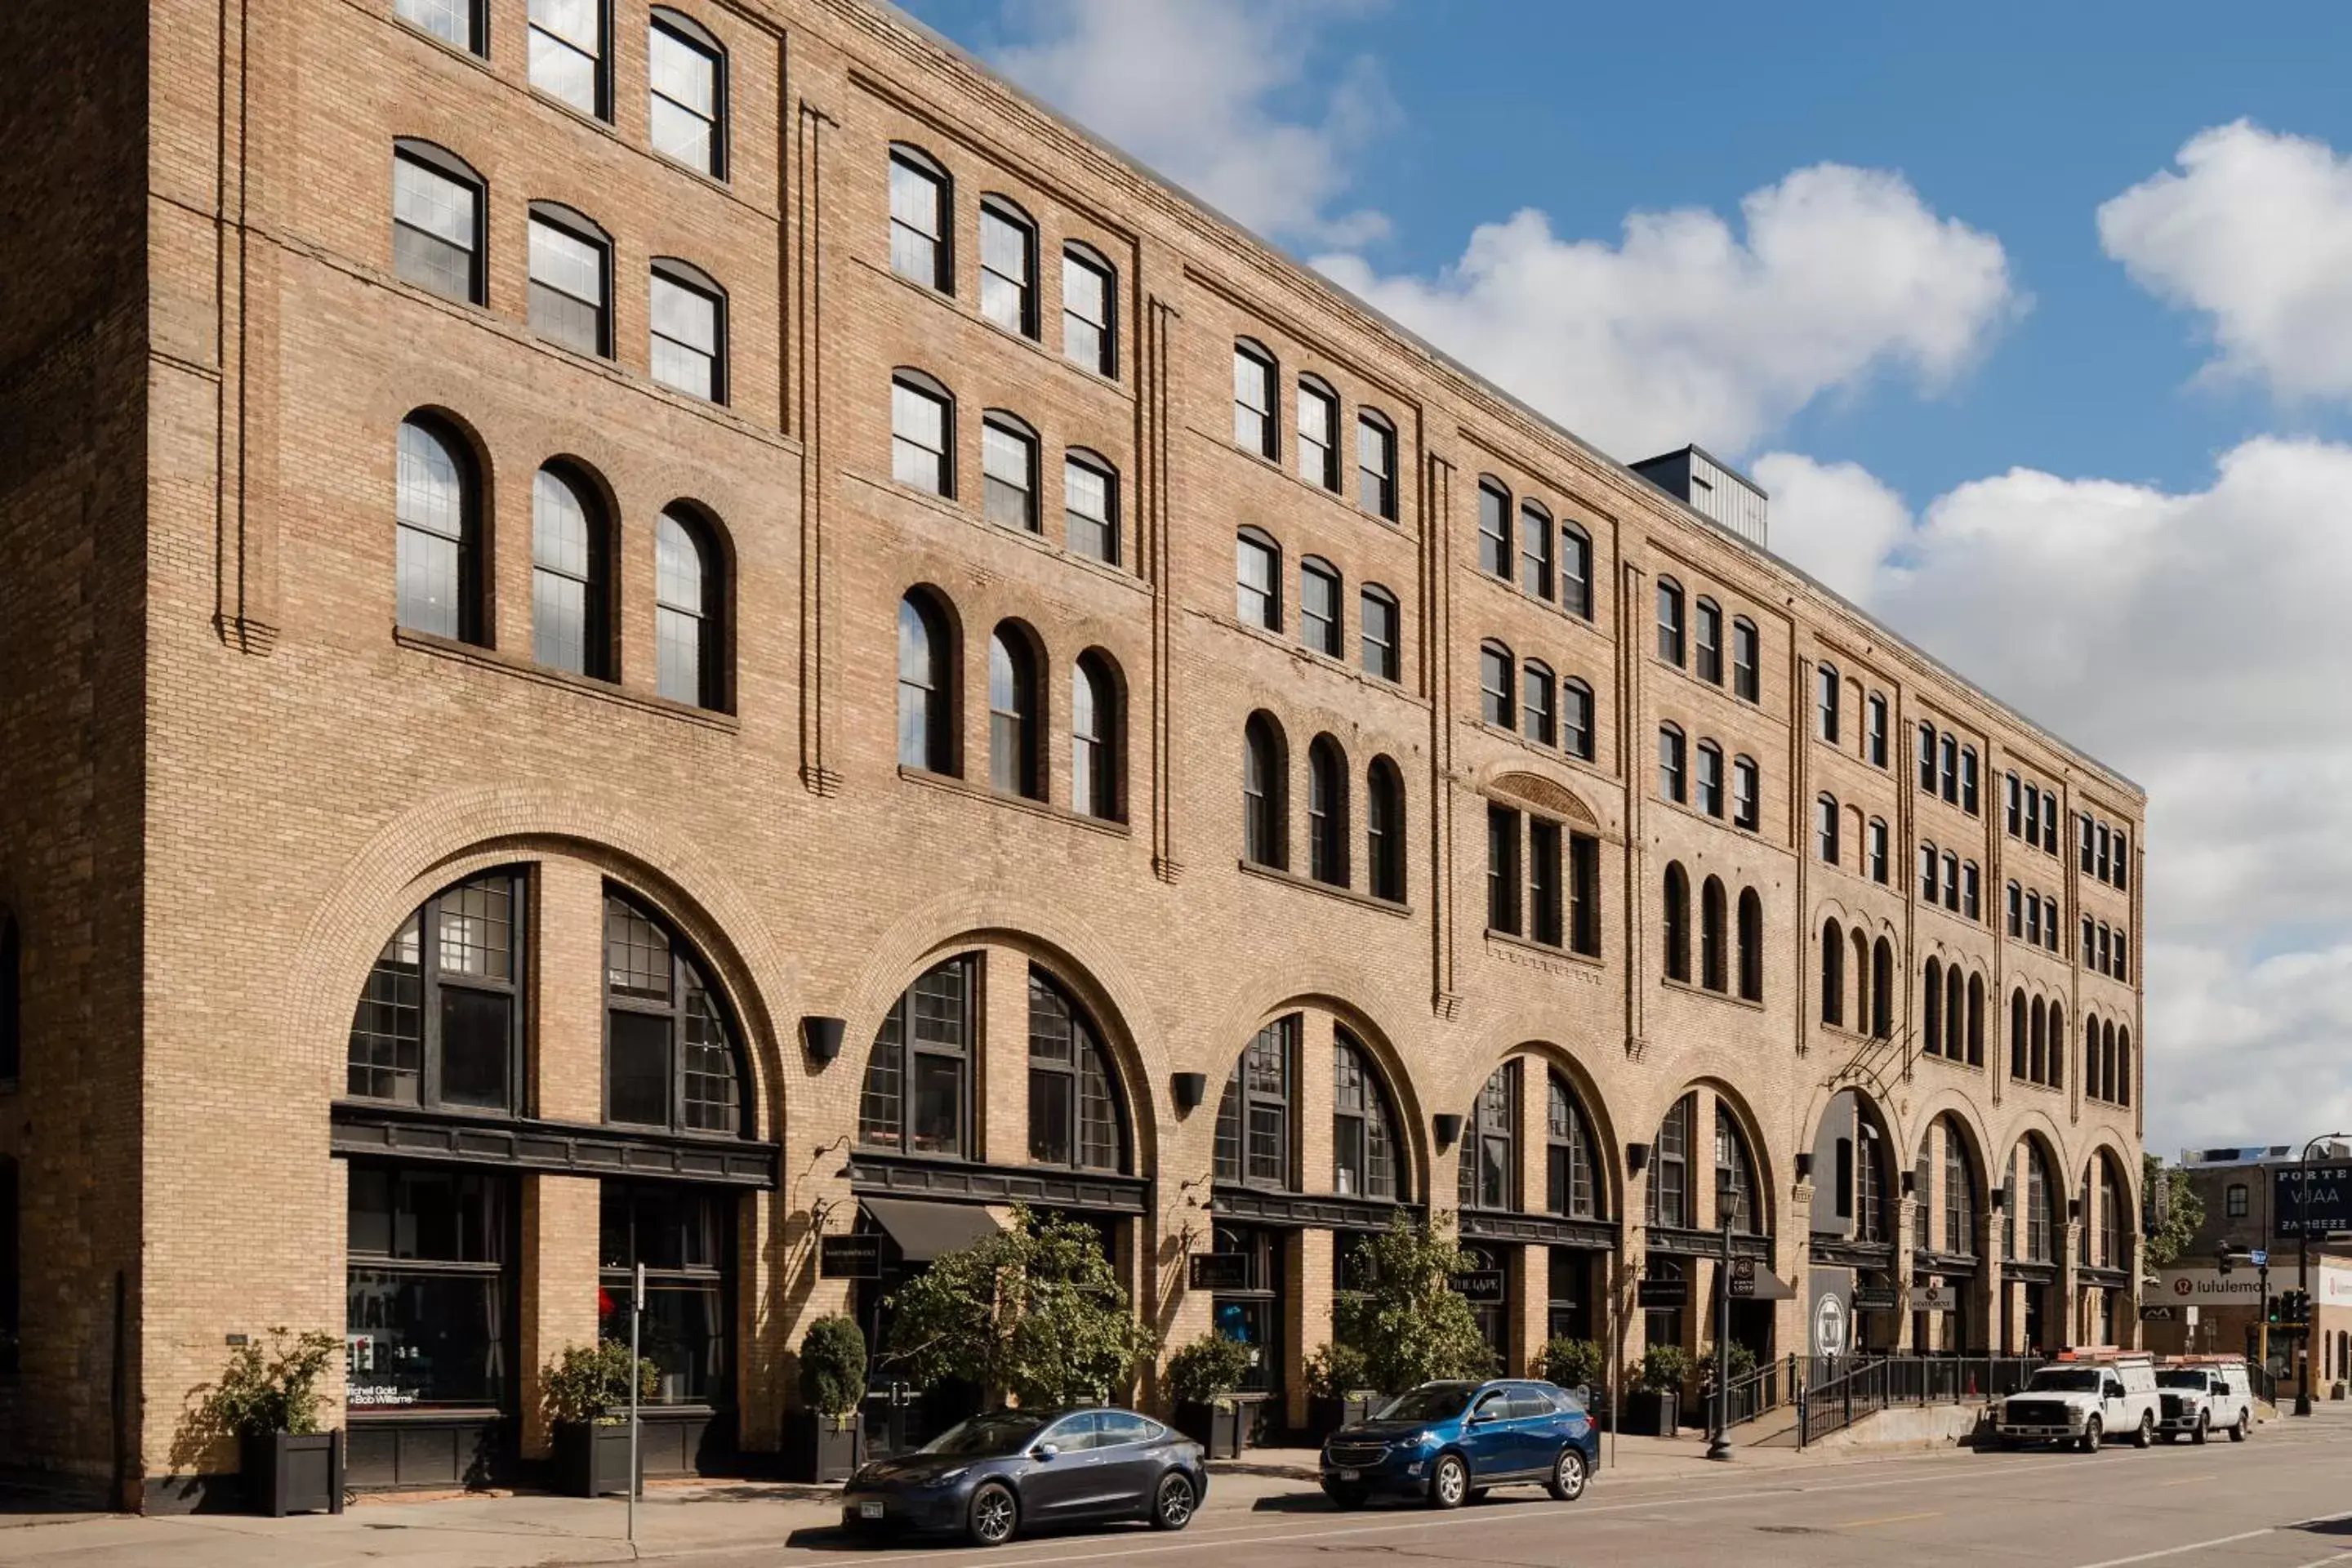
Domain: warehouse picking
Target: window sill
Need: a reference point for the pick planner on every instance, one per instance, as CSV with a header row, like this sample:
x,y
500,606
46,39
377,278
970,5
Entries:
x,y
948,507
1307,655
955,303
1308,884
1339,498
953,786
1518,595
1956,1062
2017,1083
1562,960
1692,988
1720,688
1729,824
492,660
1550,754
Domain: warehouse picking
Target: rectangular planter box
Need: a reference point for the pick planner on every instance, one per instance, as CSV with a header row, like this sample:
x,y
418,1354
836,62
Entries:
x,y
816,1449
1219,1428
1326,1415
592,1460
288,1474
1649,1413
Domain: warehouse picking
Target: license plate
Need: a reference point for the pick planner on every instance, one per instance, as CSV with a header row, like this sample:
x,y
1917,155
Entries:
x,y
1351,1475
869,1511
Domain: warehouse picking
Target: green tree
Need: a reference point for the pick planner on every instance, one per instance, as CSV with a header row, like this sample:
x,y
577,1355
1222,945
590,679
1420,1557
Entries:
x,y
2177,1211
1034,1312
1411,1323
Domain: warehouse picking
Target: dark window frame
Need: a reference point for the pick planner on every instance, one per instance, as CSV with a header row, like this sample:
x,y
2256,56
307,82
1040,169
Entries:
x,y
688,971
1086,1047
432,989
1014,218
1277,1047
923,166
965,1052
682,274
693,34
582,229
1376,484
1076,253
438,160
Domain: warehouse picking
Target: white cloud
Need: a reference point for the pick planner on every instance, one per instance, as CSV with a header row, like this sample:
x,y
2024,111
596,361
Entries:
x,y
1686,331
1837,520
2190,641
1234,99
2255,231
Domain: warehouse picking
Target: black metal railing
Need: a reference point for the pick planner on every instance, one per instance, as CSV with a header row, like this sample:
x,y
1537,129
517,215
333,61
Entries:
x,y
1834,1392
1749,1396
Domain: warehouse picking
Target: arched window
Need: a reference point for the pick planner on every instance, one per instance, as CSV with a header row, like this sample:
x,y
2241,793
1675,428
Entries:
x,y
1319,606
1537,720
571,554
1832,973
1675,922
1861,981
2107,1079
1670,620
2056,1063
1875,852
688,112
689,605
2040,1206
1825,827
1575,570
440,1021
1328,833
1490,1144
1376,464
1495,703
1882,989
1976,1020
1075,1117
922,433
1747,793
1318,425
1384,830
437,221
1931,1005
1363,1127
922,219
1008,265
438,534
1751,945
570,296
1735,1174
1709,777
1255,400
1253,1143
1672,783
1012,750
1709,627
1265,808
1095,737
2037,1064
917,1097
1714,915
2124,1069
2091,1058
686,326
1826,688
1959,1192
1090,309
11,1006
1494,528
926,664
1667,1201
1874,729
1968,779
1535,549
1377,631
1257,579
1570,1189
2017,1032
1008,471
669,1052
1576,719
1746,660
1955,1015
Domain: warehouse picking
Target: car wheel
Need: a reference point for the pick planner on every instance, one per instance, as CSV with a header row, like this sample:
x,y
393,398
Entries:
x,y
1449,1481
1172,1504
2091,1435
2245,1424
2204,1427
1347,1499
994,1515
2146,1436
1568,1475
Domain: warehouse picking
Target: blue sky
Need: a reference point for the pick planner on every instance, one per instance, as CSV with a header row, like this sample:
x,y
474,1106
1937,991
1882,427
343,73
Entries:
x,y
2036,320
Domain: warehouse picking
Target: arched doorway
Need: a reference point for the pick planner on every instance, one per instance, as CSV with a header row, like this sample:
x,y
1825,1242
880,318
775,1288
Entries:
x,y
1948,1261
1852,1242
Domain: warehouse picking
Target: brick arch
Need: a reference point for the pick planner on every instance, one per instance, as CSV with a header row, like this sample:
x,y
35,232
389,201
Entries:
x,y
1513,782
1554,1056
1760,1148
446,839
1948,1101
2104,1145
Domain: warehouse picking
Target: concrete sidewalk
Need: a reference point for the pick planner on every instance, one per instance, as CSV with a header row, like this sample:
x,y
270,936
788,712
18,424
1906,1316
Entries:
x,y
530,1530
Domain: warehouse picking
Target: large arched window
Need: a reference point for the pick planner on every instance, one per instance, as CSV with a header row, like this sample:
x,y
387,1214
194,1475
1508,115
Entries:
x,y
1569,1187
1832,973
1095,737
570,574
1670,620
1931,1009
1751,945
1668,1202
689,611
438,507
1713,917
917,1097
1328,833
1364,1156
1013,723
1882,989
1253,1118
440,1021
1490,1144
926,664
1955,1015
1674,922
1735,1174
1575,570
1265,805
1384,830
2041,1202
2091,1058
1075,1117
669,1052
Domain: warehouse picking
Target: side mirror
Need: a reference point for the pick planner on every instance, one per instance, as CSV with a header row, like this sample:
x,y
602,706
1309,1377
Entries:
x,y
1045,1451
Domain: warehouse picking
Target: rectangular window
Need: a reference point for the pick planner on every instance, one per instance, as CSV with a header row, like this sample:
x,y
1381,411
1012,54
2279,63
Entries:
x,y
1576,572
684,98
686,337
1376,623
430,1293
1584,894
1949,750
1710,781
1951,882
436,229
1256,600
2016,911
1534,553
1493,532
1747,663
2012,797
2050,821
1710,643
1576,719
1091,511
1671,785
1544,903
1825,703
918,225
1502,868
1376,461
1670,623
685,1238
1876,852
1825,829
1008,271
1319,436
1088,337
1927,872
2032,817
1972,892
568,274
1254,427
1927,758
2033,919
1873,738
1968,779
456,22
920,454
2123,860
1495,701
1747,807
1318,610
1008,475
567,52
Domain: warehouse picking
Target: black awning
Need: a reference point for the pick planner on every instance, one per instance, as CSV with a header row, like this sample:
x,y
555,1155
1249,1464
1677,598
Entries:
x,y
924,1231
1770,1287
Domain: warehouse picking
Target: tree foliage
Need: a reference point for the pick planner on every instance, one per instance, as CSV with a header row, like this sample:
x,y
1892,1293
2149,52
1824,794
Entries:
x,y
2177,1213
273,1388
1034,1312
592,1384
832,1367
1208,1369
1572,1363
1411,1323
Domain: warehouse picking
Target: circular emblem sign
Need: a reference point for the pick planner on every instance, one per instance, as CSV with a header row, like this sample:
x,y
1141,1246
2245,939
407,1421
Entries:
x,y
2182,1287
1829,1326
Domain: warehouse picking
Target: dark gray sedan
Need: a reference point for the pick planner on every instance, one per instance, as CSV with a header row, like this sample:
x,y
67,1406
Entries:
x,y
1011,1471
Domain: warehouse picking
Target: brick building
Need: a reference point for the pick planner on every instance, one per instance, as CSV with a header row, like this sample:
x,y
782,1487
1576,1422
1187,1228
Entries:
x,y
639,633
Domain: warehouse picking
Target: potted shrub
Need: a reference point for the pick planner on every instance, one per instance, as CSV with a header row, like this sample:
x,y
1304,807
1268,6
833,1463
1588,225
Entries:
x,y
1339,1391
1411,1324
270,1398
1202,1378
825,1444
1653,1409
588,1403
1577,1365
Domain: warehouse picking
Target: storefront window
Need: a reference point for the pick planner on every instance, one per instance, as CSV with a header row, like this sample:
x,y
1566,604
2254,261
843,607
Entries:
x,y
913,1100
1490,1161
684,1236
1073,1112
439,1023
1363,1136
431,1289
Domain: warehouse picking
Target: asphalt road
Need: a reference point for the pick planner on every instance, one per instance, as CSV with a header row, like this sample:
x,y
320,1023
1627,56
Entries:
x,y
2283,1500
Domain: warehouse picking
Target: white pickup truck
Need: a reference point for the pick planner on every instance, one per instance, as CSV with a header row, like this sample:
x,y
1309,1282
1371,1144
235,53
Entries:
x,y
2083,1403
2200,1396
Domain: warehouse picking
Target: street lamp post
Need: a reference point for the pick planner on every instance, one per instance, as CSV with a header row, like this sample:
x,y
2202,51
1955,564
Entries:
x,y
1726,1211
2302,1269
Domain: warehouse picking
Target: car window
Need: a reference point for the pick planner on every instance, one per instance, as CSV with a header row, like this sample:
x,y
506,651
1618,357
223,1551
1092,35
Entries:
x,y
999,1432
1527,1402
1122,1426
1430,1402
1072,1432
1493,1406
2115,1389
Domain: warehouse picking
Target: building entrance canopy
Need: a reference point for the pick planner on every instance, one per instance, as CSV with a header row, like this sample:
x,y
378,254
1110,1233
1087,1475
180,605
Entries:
x,y
926,1231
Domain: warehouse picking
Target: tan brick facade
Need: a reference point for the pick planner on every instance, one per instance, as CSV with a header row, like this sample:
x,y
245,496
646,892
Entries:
x,y
226,778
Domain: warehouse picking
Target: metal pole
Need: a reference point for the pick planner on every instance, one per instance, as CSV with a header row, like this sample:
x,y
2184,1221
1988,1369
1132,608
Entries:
x,y
1616,1358
637,1316
1718,1447
2303,1272
2262,1320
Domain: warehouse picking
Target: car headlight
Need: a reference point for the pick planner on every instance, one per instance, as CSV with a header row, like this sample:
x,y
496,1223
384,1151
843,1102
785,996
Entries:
x,y
1429,1439
951,1477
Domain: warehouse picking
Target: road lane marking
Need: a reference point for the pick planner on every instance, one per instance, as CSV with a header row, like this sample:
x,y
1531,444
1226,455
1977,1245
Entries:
x,y
1884,1518
2187,1480
2226,1541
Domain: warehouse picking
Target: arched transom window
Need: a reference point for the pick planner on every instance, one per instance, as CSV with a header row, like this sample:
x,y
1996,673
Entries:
x,y
670,1055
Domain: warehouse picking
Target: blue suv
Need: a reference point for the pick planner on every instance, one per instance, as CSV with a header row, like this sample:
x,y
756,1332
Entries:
x,y
1448,1442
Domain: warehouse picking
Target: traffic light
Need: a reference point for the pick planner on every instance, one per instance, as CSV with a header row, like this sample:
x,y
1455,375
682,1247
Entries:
x,y
2295,1305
